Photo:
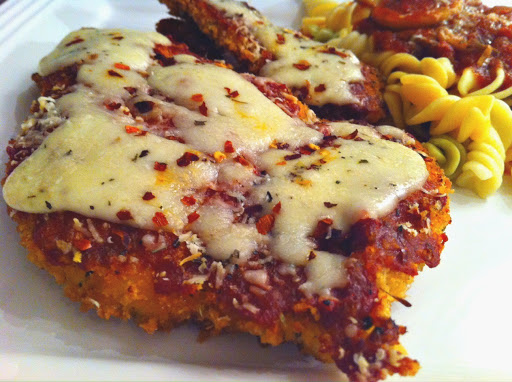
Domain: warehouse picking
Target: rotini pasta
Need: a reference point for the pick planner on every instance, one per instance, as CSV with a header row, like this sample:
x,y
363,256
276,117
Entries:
x,y
480,122
468,85
449,154
406,94
326,18
359,43
483,171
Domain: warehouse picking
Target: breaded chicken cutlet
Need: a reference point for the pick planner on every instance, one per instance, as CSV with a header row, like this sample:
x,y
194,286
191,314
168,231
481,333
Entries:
x,y
331,81
162,187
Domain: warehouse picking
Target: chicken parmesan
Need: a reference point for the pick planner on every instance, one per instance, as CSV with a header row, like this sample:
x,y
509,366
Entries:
x,y
333,82
163,187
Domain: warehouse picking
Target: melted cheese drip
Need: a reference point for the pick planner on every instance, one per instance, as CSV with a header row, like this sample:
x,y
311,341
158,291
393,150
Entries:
x,y
362,178
324,272
329,73
91,164
224,238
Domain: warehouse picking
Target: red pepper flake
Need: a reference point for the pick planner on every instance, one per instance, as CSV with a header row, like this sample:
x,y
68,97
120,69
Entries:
x,y
352,135
160,220
320,88
160,166
177,139
121,66
329,205
192,217
124,215
277,208
327,221
280,39
132,129
118,38
113,73
135,130
306,150
332,50
148,196
82,244
232,94
311,255
322,228
113,105
265,224
197,97
188,200
282,163
228,147
292,156
302,65
203,109
244,162
130,90
186,159
75,41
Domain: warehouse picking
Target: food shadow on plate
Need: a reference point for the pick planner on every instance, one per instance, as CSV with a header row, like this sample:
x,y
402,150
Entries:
x,y
506,189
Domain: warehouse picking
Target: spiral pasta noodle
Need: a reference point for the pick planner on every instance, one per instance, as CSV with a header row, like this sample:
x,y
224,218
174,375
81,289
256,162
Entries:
x,y
483,170
482,123
326,18
449,154
469,85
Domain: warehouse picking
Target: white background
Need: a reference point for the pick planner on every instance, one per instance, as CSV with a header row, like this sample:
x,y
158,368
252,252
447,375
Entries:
x,y
458,326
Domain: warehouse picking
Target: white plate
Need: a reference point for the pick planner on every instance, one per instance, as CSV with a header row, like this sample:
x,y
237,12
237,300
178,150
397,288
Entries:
x,y
458,325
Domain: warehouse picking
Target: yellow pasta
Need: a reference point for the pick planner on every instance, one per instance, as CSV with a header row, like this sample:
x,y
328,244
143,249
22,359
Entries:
x,y
483,171
481,122
326,18
417,93
440,69
312,7
358,43
468,85
407,94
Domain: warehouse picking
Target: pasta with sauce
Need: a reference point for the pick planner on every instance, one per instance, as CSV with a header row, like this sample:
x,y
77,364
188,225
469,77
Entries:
x,y
468,85
462,116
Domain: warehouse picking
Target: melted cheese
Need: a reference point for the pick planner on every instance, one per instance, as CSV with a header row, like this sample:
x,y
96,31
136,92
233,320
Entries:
x,y
92,46
92,165
88,165
361,178
224,238
253,120
324,272
300,62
